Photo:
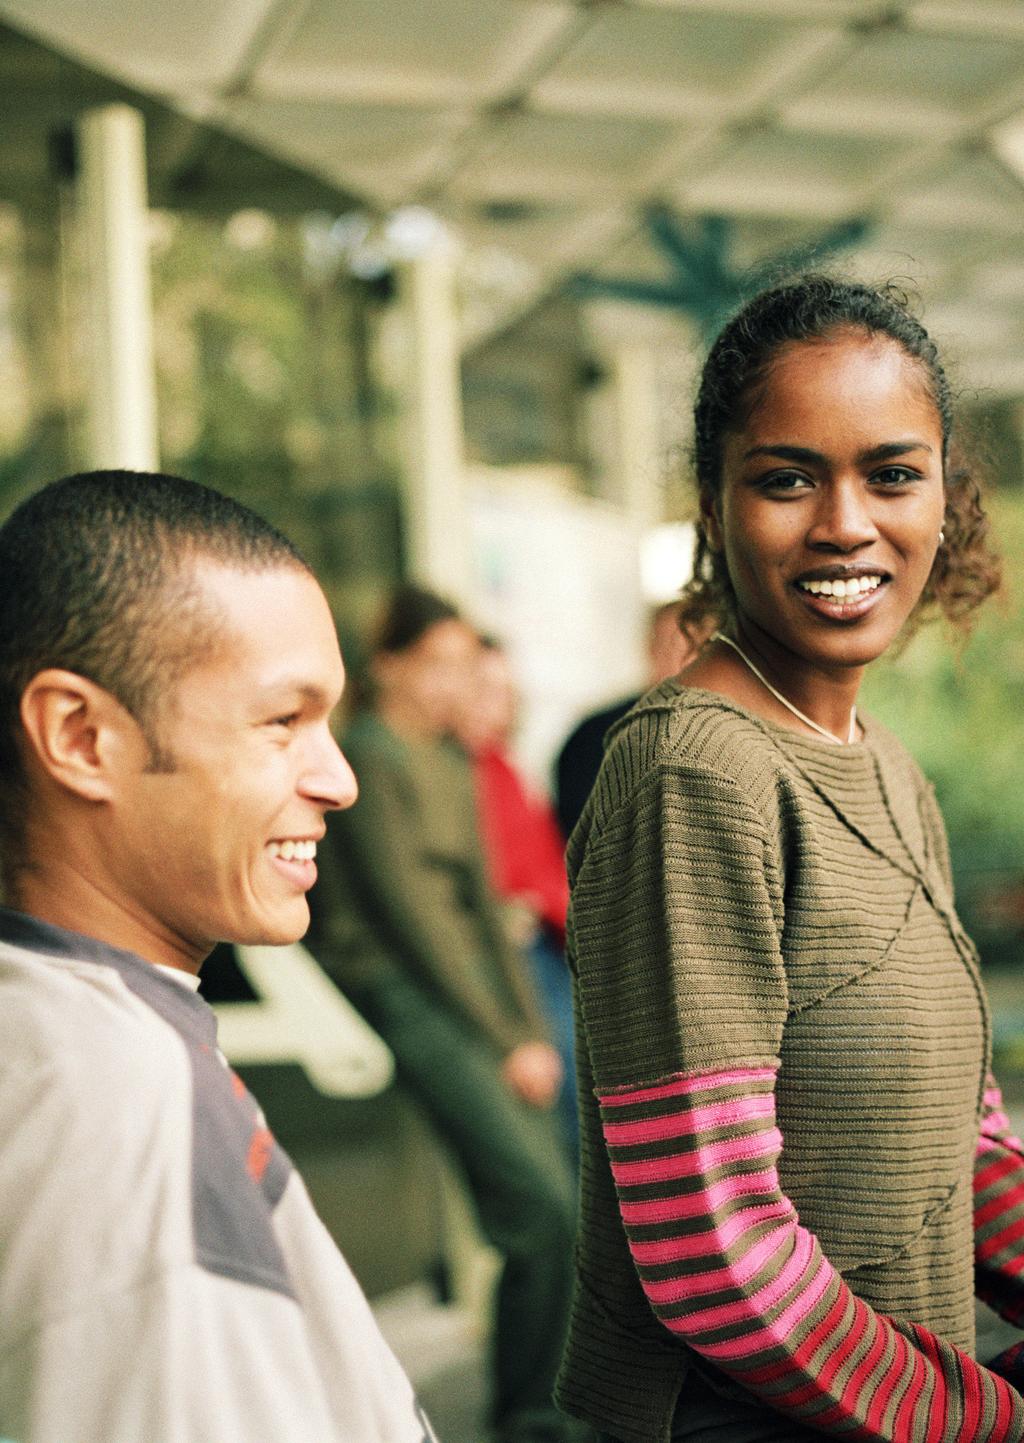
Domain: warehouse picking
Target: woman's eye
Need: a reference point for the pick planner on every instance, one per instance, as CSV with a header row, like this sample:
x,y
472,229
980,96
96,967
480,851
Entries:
x,y
895,476
285,721
785,481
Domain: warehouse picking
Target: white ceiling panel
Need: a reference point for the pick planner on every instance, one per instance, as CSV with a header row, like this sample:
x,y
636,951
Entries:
x,y
546,157
935,75
384,48
968,325
928,256
527,231
177,47
829,12
385,151
978,17
970,193
543,129
845,111
1000,280
668,61
778,172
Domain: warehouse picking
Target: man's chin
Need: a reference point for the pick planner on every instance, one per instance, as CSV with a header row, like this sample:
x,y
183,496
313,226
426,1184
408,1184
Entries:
x,y
273,931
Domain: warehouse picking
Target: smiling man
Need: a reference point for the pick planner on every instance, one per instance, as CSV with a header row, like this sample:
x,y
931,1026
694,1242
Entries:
x,y
168,669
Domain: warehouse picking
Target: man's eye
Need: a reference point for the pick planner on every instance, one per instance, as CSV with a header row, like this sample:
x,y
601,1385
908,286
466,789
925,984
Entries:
x,y
285,721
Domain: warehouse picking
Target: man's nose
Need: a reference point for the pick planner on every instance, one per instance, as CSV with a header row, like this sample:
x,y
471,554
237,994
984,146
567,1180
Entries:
x,y
331,780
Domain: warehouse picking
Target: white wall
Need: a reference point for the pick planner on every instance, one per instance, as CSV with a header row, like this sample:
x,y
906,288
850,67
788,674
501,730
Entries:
x,y
556,577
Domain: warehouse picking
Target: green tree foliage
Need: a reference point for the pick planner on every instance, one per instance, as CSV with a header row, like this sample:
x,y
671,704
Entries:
x,y
958,708
266,390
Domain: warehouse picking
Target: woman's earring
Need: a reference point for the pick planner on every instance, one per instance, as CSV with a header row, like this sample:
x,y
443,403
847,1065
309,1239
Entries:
x,y
942,537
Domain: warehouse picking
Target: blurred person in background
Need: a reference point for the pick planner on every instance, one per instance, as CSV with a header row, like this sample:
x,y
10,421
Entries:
x,y
168,669
669,648
409,928
524,851
797,1168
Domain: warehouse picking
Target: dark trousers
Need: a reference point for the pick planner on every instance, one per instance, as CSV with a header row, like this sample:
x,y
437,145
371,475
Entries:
x,y
514,1164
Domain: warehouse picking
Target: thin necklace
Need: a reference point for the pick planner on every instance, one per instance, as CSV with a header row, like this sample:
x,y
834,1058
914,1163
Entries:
x,y
807,721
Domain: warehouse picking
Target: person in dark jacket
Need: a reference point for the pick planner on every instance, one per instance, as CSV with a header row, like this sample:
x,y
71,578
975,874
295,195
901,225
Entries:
x,y
668,650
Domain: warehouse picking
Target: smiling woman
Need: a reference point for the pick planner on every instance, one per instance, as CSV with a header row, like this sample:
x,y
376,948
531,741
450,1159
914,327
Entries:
x,y
796,1167
965,570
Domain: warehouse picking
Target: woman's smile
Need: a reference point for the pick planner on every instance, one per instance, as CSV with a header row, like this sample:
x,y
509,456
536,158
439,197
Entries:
x,y
842,593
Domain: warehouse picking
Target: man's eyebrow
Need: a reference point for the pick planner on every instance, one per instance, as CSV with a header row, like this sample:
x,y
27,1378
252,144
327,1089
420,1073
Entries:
x,y
309,692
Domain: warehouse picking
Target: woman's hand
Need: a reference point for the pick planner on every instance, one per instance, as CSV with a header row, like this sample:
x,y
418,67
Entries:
x,y
533,1071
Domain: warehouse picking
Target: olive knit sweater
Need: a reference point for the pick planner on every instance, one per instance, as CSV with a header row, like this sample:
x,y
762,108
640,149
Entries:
x,y
783,1053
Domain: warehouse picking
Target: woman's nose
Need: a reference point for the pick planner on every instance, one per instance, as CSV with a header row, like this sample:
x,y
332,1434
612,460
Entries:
x,y
844,518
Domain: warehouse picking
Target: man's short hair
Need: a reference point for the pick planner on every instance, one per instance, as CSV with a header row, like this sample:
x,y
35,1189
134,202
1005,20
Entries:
x,y
96,578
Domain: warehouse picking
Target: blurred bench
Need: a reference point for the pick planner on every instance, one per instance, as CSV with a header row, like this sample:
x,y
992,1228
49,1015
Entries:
x,y
326,1083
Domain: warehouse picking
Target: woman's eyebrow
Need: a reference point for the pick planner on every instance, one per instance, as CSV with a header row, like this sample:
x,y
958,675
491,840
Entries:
x,y
786,453
893,448
806,454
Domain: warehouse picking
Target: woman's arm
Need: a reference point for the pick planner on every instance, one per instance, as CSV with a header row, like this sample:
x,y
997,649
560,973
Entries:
x,y
998,1162
999,1211
677,914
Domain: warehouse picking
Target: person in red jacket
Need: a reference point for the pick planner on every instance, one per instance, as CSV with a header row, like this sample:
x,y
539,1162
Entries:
x,y
524,850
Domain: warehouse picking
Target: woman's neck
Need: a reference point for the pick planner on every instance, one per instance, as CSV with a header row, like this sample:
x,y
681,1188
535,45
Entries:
x,y
826,695
770,681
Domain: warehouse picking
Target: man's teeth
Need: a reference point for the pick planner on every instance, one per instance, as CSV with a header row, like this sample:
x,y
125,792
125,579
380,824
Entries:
x,y
293,851
853,586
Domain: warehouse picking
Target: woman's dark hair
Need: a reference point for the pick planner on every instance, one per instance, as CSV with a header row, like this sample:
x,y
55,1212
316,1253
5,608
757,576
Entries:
x,y
812,308
408,615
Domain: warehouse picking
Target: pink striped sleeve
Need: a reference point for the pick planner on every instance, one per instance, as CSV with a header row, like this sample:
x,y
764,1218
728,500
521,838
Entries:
x,y
999,1211
727,1268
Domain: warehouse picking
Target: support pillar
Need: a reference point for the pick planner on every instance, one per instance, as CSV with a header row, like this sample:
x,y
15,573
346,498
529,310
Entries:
x,y
436,521
639,462
121,383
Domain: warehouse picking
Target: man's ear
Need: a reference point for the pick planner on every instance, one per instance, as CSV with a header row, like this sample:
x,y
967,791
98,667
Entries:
x,y
76,731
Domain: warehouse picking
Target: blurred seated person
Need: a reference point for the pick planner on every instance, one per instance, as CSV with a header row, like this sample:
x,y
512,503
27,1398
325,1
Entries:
x,y
409,928
669,649
523,849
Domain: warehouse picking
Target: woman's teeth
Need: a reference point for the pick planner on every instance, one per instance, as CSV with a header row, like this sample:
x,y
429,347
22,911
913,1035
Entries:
x,y
293,851
853,586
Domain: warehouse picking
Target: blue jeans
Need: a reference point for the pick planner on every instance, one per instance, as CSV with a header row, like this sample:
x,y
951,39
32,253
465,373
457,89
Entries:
x,y
554,991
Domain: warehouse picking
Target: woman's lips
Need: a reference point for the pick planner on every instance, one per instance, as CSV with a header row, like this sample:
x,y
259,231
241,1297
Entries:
x,y
842,608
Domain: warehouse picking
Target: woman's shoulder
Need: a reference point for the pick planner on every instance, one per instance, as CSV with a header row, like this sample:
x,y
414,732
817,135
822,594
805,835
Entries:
x,y
686,727
684,736
701,754
900,769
